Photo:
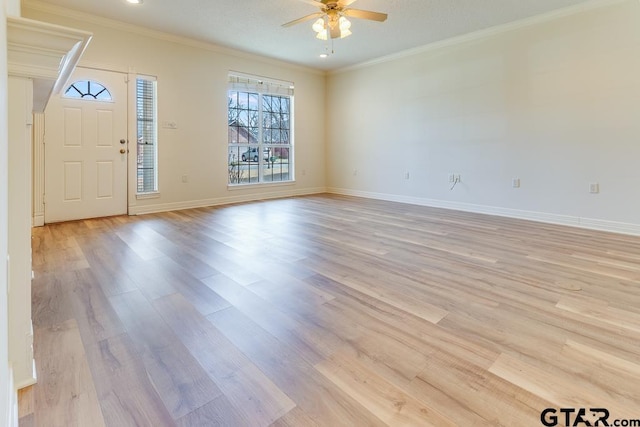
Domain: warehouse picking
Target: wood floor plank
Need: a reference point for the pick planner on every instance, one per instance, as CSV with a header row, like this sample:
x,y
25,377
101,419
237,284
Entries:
x,y
185,386
387,402
51,298
330,310
65,394
194,290
25,402
295,418
604,359
424,333
139,245
248,390
96,318
548,385
217,413
268,316
110,259
598,312
470,395
176,252
323,403
125,391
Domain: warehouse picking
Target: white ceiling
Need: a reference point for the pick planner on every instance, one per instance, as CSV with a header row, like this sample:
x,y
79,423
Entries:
x,y
255,25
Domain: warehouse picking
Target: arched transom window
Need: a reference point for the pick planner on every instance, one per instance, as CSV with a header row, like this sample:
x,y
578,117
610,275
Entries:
x,y
88,89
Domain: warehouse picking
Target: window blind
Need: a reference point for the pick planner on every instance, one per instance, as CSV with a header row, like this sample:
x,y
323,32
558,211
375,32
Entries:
x,y
147,134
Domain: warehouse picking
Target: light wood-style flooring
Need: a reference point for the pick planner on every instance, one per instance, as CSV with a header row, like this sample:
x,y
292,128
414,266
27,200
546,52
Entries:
x,y
330,311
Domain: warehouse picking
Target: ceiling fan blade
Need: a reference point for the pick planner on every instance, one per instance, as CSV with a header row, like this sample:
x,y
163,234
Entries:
x,y
345,3
365,14
316,3
303,19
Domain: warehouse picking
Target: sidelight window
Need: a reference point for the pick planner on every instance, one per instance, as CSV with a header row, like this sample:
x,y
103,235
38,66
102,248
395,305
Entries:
x,y
147,135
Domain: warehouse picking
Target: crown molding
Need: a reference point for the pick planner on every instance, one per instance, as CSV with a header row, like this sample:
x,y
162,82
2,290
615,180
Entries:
x,y
40,6
44,52
485,33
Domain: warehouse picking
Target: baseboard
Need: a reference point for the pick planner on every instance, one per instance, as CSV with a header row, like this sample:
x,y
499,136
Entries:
x,y
29,381
37,220
550,218
191,204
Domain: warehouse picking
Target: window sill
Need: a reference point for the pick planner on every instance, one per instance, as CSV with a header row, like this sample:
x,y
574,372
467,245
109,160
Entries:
x,y
143,196
232,187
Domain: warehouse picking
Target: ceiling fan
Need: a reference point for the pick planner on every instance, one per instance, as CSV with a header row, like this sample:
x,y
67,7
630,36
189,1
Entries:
x,y
331,20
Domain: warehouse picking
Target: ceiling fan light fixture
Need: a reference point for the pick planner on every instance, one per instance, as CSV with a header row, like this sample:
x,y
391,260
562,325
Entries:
x,y
322,35
345,33
318,26
345,24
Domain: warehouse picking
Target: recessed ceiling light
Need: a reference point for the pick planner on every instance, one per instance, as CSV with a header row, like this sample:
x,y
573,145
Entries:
x,y
134,1
324,55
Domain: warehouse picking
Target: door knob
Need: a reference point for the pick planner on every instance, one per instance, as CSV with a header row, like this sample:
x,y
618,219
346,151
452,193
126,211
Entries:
x,y
122,151
123,141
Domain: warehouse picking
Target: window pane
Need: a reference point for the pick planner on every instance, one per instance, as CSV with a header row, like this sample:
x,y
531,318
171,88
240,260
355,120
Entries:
x,y
147,136
241,165
277,167
253,102
88,89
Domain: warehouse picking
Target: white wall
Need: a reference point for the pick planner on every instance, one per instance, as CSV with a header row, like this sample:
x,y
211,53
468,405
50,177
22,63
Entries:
x,y
5,389
556,104
8,400
20,333
192,85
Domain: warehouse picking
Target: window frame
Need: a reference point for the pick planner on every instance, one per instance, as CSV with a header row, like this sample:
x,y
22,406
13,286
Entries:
x,y
153,134
259,88
89,94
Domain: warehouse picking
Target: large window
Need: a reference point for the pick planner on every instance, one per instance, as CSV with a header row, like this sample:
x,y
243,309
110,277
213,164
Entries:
x,y
260,123
147,144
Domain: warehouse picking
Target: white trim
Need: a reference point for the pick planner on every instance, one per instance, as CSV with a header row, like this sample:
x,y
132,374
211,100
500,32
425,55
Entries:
x,y
484,33
550,218
12,401
29,381
41,6
151,195
264,79
235,187
38,170
176,206
38,220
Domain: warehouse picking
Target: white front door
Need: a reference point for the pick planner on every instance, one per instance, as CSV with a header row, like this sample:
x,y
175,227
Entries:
x,y
86,149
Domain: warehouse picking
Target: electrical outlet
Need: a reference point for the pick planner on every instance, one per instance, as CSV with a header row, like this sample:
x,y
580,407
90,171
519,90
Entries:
x,y
304,172
407,175
515,183
185,178
452,178
594,188
457,178
355,172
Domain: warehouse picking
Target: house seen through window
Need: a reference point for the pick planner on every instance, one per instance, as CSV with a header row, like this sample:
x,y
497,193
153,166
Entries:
x,y
260,144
